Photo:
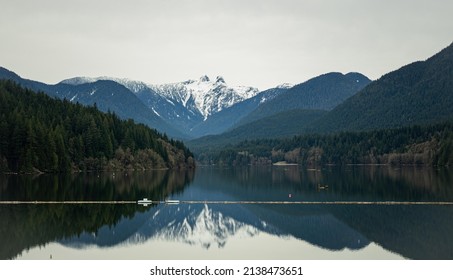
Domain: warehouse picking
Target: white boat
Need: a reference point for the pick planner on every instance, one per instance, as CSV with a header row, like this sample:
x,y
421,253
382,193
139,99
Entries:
x,y
169,201
144,201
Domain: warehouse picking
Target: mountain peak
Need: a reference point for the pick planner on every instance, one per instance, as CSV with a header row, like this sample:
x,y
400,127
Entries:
x,y
205,96
220,79
419,93
204,78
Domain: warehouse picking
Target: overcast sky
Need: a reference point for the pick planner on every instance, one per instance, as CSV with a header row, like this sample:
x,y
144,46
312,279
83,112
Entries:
x,y
259,43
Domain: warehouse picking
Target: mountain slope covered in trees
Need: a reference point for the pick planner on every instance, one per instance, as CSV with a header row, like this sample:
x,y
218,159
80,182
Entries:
x,y
107,95
290,112
320,93
39,133
419,93
286,124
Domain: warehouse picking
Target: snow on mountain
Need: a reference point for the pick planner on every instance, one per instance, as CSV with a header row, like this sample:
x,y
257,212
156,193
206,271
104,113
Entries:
x,y
79,81
285,86
205,95
132,85
205,228
184,105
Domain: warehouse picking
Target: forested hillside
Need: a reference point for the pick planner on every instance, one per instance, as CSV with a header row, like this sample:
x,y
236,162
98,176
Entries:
x,y
286,124
419,93
42,134
416,145
108,95
319,93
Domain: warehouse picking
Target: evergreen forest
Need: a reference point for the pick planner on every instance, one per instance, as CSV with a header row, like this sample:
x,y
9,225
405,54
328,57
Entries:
x,y
430,145
42,134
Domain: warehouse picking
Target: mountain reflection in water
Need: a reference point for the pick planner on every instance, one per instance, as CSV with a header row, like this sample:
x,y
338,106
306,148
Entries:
x,y
410,231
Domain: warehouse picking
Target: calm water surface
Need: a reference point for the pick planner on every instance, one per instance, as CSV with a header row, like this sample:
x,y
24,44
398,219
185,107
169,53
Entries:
x,y
230,231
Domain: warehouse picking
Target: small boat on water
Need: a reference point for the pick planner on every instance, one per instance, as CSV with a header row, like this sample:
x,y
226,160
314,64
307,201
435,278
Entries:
x,y
144,201
170,201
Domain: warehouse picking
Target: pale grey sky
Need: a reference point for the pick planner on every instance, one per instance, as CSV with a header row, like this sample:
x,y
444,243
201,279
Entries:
x,y
259,43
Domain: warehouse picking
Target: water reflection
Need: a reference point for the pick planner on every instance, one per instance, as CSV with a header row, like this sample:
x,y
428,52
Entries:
x,y
156,184
410,231
369,183
25,226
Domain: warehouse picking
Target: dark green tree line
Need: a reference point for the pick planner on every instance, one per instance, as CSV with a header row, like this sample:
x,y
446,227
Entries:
x,y
426,145
38,132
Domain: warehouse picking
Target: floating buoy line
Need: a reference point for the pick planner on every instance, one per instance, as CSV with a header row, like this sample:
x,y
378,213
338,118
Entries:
x,y
146,202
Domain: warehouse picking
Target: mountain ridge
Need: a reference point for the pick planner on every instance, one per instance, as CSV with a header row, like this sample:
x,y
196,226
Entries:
x,y
186,104
287,112
196,108
418,93
229,117
323,92
107,95
200,91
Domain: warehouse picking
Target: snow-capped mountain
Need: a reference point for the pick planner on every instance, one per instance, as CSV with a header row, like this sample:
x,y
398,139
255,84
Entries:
x,y
207,228
185,104
205,95
213,226
229,117
197,108
197,225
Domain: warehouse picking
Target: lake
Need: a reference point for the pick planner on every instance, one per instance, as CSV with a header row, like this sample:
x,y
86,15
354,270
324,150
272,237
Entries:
x,y
279,212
